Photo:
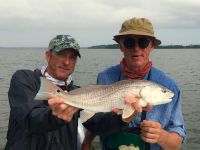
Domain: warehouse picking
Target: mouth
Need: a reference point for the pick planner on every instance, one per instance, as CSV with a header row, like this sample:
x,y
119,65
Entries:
x,y
64,68
136,56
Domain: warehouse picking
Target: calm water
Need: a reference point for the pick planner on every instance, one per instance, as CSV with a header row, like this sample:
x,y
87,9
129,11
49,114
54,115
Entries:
x,y
182,65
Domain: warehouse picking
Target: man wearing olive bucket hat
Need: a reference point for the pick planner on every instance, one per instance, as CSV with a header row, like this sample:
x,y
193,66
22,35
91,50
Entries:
x,y
160,128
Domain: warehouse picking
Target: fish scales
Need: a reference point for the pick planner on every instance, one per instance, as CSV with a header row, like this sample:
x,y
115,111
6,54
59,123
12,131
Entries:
x,y
104,97
101,98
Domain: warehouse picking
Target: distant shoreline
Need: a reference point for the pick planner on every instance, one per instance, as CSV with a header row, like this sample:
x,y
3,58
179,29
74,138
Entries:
x,y
116,46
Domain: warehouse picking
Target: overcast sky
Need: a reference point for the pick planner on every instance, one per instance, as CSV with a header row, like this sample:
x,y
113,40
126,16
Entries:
x,y
33,23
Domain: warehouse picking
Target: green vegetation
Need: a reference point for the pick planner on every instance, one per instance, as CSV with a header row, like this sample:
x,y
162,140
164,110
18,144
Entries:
x,y
116,46
112,46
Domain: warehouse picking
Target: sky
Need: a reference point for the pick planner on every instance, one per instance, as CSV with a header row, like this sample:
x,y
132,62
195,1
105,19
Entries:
x,y
33,23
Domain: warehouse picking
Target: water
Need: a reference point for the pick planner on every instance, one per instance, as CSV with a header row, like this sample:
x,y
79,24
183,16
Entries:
x,y
182,64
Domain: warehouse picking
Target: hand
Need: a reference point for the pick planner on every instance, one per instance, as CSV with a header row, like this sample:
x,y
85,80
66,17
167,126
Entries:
x,y
61,110
131,100
150,131
87,142
134,102
86,146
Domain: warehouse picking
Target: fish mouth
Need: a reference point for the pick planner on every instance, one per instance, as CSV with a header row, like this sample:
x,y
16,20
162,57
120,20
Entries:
x,y
171,95
168,100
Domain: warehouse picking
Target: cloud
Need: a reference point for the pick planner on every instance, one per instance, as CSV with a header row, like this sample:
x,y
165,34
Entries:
x,y
29,20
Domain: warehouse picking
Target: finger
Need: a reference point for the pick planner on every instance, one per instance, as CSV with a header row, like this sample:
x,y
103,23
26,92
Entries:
x,y
148,139
150,130
58,108
150,124
68,113
148,107
130,99
137,106
149,135
134,102
53,101
150,127
61,107
117,110
72,110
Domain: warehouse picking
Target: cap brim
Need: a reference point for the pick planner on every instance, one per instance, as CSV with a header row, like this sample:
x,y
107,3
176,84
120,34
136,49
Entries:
x,y
66,48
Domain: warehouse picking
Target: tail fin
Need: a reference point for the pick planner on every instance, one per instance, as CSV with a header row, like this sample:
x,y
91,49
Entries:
x,y
47,90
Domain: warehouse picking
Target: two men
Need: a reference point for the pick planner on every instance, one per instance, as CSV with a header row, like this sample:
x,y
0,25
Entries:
x,y
32,125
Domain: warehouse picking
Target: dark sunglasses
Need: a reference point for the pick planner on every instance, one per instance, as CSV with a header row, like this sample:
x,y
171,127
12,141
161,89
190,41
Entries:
x,y
143,42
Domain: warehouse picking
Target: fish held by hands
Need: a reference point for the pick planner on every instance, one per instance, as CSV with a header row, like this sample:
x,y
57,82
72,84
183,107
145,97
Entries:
x,y
103,98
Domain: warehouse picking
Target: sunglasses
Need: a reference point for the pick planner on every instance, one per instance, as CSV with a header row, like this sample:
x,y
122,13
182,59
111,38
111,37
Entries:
x,y
130,42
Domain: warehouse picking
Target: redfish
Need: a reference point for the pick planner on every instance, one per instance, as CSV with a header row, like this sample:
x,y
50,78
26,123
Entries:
x,y
102,98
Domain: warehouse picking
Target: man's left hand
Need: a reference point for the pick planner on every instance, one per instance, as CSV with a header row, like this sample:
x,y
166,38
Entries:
x,y
150,131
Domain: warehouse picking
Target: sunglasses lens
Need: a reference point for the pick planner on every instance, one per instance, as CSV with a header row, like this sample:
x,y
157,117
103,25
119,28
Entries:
x,y
143,42
129,43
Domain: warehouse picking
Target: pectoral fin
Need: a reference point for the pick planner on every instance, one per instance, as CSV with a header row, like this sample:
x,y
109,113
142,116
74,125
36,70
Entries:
x,y
127,111
85,115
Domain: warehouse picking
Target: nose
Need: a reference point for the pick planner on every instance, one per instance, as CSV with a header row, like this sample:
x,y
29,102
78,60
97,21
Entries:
x,y
136,46
66,61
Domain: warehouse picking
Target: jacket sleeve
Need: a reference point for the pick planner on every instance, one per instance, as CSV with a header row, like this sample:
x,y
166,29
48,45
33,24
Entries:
x,y
32,115
104,124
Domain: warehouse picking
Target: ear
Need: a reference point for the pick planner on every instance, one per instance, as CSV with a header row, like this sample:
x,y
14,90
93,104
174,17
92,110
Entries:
x,y
47,55
152,46
121,48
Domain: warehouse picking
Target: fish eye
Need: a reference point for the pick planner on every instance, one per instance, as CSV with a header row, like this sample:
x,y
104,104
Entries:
x,y
164,90
58,91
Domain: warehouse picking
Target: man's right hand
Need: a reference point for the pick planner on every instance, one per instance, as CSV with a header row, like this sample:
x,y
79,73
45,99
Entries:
x,y
134,102
61,110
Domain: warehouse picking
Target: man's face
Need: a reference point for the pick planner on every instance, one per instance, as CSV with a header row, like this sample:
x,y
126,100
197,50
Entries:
x,y
61,64
136,50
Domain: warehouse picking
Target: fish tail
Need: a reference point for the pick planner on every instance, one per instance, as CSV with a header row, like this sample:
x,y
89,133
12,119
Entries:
x,y
47,90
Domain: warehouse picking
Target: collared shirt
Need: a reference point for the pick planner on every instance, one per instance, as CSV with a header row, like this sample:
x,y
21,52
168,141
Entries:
x,y
53,80
168,115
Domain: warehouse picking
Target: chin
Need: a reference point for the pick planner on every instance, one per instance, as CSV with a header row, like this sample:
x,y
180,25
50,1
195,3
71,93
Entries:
x,y
137,63
62,76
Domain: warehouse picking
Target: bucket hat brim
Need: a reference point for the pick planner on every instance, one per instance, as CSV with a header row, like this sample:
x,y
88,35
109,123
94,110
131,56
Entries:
x,y
135,32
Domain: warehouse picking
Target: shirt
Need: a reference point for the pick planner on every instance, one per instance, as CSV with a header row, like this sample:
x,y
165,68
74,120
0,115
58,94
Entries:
x,y
168,115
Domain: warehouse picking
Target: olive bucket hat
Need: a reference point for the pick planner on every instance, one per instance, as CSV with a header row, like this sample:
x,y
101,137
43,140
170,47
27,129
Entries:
x,y
137,26
62,42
